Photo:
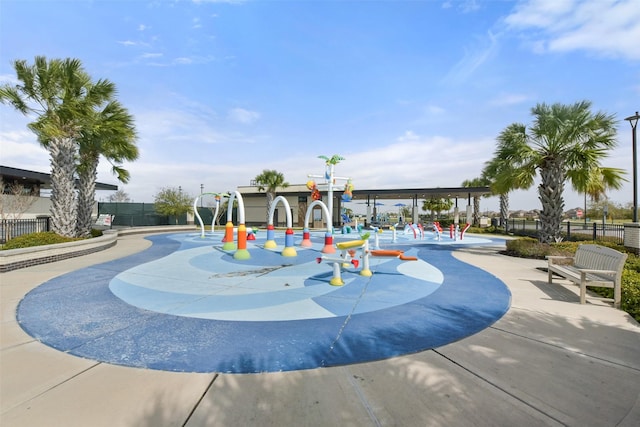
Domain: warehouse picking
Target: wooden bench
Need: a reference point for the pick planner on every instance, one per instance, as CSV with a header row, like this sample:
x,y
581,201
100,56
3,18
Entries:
x,y
592,265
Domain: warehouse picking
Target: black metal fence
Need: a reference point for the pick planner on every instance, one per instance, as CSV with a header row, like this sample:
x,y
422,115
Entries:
x,y
589,230
10,228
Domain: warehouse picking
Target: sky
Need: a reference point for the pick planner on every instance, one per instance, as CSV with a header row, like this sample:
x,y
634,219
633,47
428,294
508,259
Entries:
x,y
411,93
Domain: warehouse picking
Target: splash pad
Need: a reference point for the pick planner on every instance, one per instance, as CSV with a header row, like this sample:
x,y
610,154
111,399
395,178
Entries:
x,y
185,304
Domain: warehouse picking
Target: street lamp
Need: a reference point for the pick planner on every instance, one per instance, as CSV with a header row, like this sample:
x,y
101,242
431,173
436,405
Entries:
x,y
201,190
633,120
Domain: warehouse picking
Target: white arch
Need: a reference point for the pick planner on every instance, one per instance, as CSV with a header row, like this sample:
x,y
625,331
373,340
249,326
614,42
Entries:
x,y
240,207
273,209
326,214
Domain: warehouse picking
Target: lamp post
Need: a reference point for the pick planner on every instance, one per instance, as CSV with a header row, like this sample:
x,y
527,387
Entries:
x,y
633,120
201,190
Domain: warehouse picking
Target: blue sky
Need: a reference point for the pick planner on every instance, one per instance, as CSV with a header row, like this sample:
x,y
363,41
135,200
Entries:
x,y
411,93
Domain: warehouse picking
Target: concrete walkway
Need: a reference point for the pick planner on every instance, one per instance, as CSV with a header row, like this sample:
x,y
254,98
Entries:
x,y
548,361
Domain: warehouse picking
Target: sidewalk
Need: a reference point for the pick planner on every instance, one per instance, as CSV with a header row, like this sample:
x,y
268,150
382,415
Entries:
x,y
548,361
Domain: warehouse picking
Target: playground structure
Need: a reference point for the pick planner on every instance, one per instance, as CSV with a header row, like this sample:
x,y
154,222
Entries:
x,y
217,196
415,229
347,258
329,185
241,252
347,249
454,231
288,250
306,234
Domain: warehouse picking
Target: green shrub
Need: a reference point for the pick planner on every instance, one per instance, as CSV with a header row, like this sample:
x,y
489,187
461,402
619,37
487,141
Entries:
x,y
97,233
528,247
485,230
631,292
36,239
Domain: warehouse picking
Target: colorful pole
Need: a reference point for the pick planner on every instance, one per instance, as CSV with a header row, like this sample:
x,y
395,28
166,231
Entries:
x,y
289,250
306,238
270,243
328,244
242,252
228,237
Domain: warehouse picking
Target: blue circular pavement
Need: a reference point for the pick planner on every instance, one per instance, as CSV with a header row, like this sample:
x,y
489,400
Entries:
x,y
184,304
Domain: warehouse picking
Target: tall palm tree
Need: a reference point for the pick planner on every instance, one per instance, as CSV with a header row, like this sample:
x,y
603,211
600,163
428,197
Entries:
x,y
563,143
109,133
56,92
269,181
502,177
436,205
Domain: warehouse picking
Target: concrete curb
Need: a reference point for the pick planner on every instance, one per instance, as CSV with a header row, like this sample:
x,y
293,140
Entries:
x,y
14,259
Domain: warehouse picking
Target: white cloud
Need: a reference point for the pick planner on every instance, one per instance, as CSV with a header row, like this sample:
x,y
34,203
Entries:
x,y
434,110
243,116
8,79
20,149
181,60
609,28
465,6
474,58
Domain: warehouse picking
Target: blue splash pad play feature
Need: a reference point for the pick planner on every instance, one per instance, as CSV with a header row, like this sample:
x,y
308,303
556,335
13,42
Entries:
x,y
186,305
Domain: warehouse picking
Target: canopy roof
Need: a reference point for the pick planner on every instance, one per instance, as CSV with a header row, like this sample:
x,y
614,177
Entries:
x,y
42,180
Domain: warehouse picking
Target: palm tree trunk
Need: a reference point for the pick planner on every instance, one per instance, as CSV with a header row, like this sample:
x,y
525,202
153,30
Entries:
x,y
270,198
504,211
63,204
550,195
86,195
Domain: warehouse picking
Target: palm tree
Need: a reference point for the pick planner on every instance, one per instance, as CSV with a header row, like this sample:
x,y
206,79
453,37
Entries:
x,y
563,143
110,133
56,92
269,181
436,205
476,182
502,177
595,182
60,93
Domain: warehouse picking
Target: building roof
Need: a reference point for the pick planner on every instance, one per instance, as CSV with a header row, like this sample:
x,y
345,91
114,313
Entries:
x,y
391,194
42,179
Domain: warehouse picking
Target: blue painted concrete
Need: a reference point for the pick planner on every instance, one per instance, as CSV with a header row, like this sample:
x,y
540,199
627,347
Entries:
x,y
186,305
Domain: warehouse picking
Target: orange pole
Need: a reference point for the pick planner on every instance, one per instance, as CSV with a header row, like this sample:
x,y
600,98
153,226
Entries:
x,y
242,236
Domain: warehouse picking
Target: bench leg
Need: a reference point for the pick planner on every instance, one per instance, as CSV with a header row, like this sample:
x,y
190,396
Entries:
x,y
583,288
617,294
550,274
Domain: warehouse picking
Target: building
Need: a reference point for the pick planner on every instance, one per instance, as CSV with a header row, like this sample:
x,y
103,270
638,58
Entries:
x,y
298,198
36,184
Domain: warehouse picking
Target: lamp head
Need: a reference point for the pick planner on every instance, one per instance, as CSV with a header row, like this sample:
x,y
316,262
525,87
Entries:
x,y
633,120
